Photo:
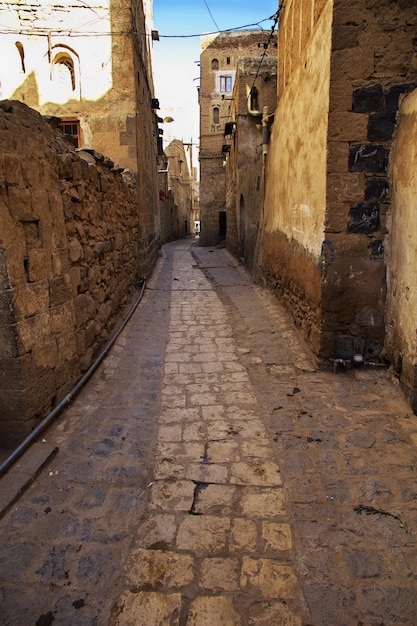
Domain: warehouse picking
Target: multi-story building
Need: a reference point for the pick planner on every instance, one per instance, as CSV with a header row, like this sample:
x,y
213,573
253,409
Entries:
x,y
245,149
180,184
89,65
219,57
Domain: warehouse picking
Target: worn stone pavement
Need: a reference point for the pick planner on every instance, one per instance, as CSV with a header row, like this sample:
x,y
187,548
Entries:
x,y
211,475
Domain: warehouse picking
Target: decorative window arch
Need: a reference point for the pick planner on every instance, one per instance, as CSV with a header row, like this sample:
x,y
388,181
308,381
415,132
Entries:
x,y
65,73
64,68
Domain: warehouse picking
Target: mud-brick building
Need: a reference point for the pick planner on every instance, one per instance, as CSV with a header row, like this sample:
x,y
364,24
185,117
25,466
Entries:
x,y
219,57
245,149
181,186
336,240
89,65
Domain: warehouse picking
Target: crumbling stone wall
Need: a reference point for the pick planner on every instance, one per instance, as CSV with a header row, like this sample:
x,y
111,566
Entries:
x,y
68,262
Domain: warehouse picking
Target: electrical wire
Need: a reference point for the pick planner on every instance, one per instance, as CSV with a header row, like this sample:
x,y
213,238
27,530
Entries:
x,y
211,15
271,35
73,33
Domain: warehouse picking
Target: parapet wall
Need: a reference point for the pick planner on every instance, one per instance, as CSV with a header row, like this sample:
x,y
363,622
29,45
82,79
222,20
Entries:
x,y
68,262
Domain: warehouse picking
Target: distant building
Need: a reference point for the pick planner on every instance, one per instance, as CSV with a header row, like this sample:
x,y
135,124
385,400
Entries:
x,y
245,147
219,58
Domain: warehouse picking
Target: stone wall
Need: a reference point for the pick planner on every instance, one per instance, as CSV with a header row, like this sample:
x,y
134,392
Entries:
x,y
289,255
68,263
342,77
373,67
401,251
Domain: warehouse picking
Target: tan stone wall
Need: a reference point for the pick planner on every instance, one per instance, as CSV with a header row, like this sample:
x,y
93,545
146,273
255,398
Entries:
x,y
68,262
295,195
402,251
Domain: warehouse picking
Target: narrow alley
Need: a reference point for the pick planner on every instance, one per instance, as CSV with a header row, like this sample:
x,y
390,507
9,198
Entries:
x,y
209,474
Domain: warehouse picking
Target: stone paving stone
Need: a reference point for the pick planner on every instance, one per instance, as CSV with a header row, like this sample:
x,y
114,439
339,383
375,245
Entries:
x,y
244,536
171,495
203,534
269,578
219,574
213,611
146,608
153,568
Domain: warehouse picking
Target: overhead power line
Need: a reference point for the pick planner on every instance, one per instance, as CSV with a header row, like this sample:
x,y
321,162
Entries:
x,y
211,15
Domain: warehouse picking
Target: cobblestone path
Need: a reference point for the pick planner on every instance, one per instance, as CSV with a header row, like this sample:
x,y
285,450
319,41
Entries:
x,y
211,475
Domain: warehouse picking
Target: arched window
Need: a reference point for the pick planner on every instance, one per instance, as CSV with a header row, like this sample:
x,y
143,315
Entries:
x,y
214,64
64,71
21,52
216,115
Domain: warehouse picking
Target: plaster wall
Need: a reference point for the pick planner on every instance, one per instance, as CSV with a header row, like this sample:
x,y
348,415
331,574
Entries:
x,y
295,199
402,250
289,256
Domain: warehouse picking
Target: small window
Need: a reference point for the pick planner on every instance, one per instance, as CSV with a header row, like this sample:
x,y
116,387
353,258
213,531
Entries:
x,y
71,128
254,99
227,60
214,64
21,52
226,84
216,115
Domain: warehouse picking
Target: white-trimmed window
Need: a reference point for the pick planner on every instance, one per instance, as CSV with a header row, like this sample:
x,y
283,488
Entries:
x,y
226,84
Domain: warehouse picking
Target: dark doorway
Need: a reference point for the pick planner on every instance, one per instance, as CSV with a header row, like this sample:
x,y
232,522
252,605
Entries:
x,y
222,225
242,228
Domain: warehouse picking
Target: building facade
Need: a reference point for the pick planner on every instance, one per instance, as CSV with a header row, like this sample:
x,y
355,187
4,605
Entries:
x,y
90,67
245,151
180,183
219,57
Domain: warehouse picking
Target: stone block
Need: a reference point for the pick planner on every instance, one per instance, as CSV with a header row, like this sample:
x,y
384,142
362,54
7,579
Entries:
x,y
148,607
364,218
219,574
345,36
376,188
204,608
38,265
392,96
155,568
368,99
347,126
59,290
347,187
269,578
203,534
368,158
381,126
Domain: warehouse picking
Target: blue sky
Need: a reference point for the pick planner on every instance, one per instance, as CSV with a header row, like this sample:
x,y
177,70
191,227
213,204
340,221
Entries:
x,y
176,55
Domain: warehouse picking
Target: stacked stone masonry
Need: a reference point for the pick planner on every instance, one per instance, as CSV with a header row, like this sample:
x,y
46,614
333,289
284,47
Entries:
x,y
68,263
